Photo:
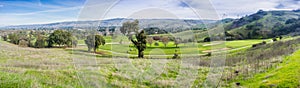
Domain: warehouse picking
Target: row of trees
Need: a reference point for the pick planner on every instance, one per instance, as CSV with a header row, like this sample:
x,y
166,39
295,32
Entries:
x,y
26,38
165,40
139,39
59,38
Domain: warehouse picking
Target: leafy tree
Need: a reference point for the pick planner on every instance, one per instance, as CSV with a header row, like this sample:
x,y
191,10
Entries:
x,y
140,43
94,41
74,41
4,37
13,38
207,39
30,38
129,28
150,41
40,41
165,40
60,37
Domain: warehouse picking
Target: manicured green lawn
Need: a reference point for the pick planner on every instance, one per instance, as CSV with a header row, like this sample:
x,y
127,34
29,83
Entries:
x,y
242,43
187,48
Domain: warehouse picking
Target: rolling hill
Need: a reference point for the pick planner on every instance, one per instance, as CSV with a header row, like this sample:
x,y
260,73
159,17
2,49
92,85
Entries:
x,y
265,24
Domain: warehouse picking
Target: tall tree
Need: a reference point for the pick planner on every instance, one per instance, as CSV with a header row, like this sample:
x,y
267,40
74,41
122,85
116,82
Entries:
x,y
94,41
130,28
140,43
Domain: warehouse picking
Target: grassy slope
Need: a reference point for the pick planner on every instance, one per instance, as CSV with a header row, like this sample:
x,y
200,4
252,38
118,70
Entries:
x,y
286,76
29,68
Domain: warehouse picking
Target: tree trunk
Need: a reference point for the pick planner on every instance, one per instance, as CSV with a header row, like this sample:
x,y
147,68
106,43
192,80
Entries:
x,y
141,54
95,50
89,49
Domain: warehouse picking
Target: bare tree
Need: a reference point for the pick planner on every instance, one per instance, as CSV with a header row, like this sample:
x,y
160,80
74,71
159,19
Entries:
x,y
165,40
150,41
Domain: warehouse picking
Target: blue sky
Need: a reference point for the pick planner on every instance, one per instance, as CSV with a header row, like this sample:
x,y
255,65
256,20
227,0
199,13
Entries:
x,y
20,12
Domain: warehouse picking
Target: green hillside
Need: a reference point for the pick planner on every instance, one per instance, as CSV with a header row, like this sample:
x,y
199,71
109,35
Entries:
x,y
264,24
287,75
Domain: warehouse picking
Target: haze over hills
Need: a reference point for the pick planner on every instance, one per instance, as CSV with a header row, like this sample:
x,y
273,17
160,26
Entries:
x,y
263,24
144,23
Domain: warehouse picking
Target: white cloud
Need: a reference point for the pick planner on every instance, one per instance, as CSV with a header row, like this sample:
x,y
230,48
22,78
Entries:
x,y
95,9
243,7
207,9
48,11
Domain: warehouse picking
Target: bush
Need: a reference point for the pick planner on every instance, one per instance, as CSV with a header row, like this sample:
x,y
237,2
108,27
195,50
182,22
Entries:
x,y
156,44
4,37
156,38
262,43
23,43
207,39
40,42
13,38
274,39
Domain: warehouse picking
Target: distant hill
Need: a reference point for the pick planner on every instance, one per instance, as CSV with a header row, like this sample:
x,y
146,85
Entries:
x,y
264,24
169,25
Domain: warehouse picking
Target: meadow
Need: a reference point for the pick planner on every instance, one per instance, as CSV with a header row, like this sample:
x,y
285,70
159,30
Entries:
x,y
75,67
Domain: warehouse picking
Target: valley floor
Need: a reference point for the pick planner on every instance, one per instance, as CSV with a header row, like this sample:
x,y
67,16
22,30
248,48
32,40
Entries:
x,y
29,67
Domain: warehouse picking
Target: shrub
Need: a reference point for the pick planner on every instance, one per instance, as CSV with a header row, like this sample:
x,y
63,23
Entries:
x,y
175,56
4,37
23,43
156,38
156,44
207,39
94,41
40,42
274,39
13,38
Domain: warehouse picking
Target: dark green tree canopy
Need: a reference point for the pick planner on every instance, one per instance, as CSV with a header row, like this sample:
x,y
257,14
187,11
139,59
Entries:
x,y
60,37
140,38
94,41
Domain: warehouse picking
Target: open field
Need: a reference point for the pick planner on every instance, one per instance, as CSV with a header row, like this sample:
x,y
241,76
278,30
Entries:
x,y
75,67
29,67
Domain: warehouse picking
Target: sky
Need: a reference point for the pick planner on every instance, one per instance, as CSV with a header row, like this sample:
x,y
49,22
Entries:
x,y
21,12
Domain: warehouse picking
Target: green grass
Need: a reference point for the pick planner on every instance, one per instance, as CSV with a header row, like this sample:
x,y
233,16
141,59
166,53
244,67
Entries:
x,y
187,48
242,43
287,75
64,68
